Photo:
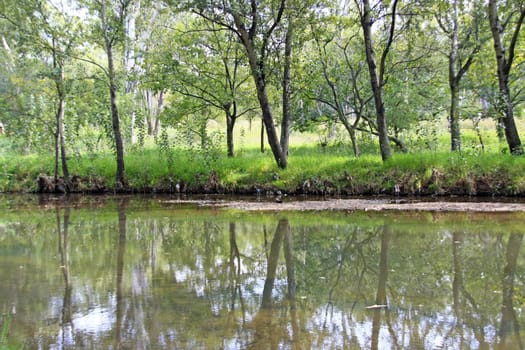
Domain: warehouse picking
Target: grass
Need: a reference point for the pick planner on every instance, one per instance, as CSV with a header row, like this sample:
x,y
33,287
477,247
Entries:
x,y
5,320
312,169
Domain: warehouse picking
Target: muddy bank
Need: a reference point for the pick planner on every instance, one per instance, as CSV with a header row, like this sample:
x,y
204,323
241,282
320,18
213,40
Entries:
x,y
361,204
255,203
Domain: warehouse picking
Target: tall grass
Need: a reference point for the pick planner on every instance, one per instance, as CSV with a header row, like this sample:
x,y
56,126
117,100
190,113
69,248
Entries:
x,y
313,168
5,320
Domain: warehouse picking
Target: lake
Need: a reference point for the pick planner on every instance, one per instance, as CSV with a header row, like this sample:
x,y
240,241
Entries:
x,y
150,273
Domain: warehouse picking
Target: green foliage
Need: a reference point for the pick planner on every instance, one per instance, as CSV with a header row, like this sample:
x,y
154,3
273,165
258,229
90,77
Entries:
x,y
5,321
313,169
165,149
198,72
5,327
425,138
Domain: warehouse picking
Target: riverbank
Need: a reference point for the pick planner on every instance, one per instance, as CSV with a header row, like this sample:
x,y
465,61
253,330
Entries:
x,y
250,204
383,204
311,171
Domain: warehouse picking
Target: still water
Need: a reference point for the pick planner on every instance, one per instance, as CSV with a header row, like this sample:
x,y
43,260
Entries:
x,y
129,273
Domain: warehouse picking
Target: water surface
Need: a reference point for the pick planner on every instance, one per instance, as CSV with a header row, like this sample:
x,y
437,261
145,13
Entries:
x,y
141,273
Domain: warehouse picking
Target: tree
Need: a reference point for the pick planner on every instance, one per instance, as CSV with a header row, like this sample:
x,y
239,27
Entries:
x,y
341,91
145,28
415,93
62,32
509,327
337,78
287,83
505,53
110,32
19,108
462,30
377,73
256,25
131,60
152,95
50,34
210,69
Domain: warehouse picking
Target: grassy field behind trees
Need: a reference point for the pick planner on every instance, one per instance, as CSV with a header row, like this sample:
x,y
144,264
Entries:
x,y
318,97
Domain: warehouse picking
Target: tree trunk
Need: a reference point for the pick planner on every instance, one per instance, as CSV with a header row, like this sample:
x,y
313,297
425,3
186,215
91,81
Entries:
x,y
64,251
56,154
509,333
455,132
288,256
383,265
131,64
262,136
376,83
457,282
230,123
234,253
258,74
504,66
152,117
133,138
268,120
381,298
453,118
355,146
455,135
147,97
158,111
115,119
119,292
156,128
273,260
62,141
59,79
287,90
350,129
509,125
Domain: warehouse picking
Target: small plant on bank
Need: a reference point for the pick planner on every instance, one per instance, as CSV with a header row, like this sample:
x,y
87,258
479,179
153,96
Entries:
x,y
5,322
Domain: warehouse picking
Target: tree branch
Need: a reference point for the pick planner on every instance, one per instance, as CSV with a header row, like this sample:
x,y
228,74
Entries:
x,y
514,40
389,43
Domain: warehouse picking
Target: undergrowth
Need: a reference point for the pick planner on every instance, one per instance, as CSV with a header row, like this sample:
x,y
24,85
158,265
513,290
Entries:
x,y
311,169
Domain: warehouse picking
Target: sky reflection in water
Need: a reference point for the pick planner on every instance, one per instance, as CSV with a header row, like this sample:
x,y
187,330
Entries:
x,y
143,274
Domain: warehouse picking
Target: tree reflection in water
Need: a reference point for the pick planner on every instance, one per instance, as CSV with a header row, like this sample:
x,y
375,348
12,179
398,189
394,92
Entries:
x,y
234,274
269,333
121,251
509,331
381,299
64,252
188,278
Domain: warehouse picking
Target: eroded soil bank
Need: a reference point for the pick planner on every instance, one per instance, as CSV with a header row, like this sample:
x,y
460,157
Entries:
x,y
393,182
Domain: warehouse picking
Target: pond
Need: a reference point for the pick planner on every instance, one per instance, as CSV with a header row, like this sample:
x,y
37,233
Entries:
x,y
148,273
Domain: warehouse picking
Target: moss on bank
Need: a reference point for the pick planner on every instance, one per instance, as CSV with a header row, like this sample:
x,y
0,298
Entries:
x,y
310,171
